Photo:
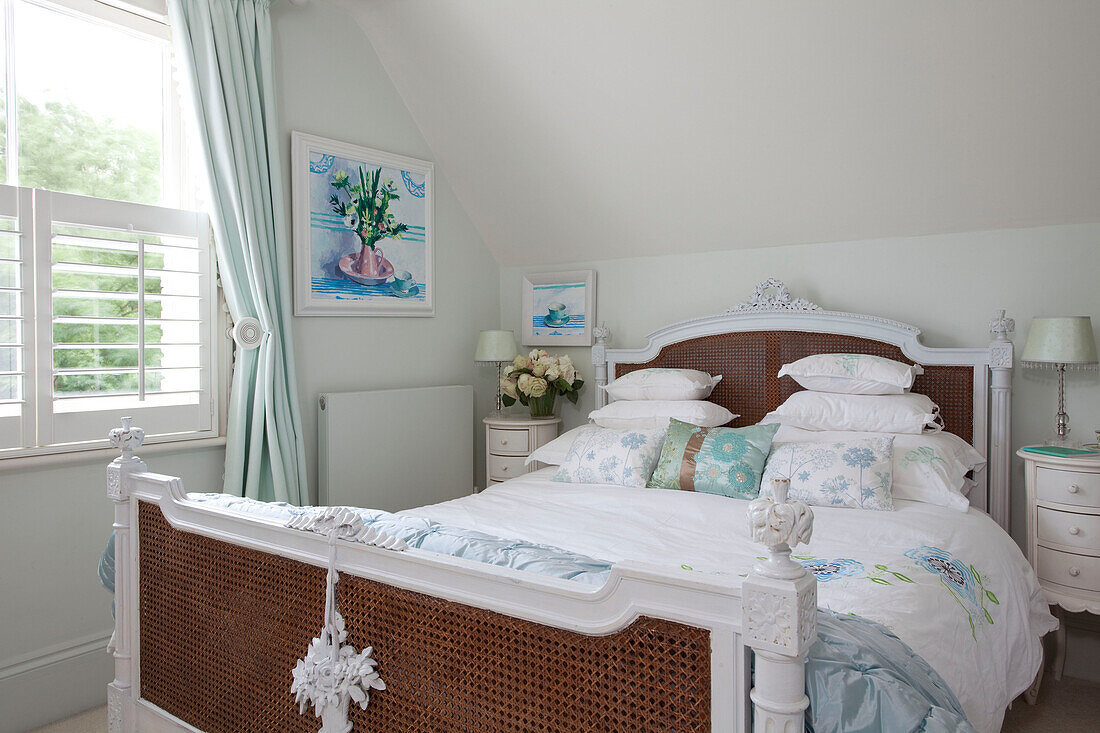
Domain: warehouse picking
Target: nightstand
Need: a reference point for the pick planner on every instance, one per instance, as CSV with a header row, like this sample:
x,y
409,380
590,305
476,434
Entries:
x,y
508,442
1063,535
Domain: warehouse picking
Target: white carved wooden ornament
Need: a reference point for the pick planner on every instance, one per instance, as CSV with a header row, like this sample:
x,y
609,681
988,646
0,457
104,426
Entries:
x,y
773,295
332,674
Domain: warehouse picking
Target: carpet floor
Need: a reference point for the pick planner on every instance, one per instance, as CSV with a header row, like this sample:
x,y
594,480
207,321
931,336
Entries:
x,y
1064,707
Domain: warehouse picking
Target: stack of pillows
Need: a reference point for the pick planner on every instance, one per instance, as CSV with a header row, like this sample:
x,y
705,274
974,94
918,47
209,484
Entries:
x,y
856,437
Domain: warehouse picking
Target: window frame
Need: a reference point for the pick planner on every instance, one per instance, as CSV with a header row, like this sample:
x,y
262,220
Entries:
x,y
145,18
39,420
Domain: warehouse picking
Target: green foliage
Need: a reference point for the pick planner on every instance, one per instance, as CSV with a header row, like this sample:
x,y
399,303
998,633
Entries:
x,y
64,148
366,208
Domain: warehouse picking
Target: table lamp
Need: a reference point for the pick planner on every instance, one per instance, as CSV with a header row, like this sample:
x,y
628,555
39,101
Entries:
x,y
495,347
1058,343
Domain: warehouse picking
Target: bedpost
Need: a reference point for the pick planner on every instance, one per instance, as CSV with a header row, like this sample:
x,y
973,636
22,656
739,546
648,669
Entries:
x,y
779,612
599,361
1000,418
120,713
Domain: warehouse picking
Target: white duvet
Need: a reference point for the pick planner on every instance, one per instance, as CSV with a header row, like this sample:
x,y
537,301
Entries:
x,y
952,585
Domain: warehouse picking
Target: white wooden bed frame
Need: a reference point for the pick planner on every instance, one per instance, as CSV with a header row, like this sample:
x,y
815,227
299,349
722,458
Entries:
x,y
773,612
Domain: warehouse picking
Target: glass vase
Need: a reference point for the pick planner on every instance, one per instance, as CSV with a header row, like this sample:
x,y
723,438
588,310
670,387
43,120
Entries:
x,y
542,406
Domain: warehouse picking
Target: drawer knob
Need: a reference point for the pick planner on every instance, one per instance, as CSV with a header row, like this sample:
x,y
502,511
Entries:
x,y
1073,488
1074,572
1075,530
504,469
504,442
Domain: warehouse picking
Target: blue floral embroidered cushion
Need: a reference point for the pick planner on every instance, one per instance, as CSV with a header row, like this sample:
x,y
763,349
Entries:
x,y
603,456
850,473
726,461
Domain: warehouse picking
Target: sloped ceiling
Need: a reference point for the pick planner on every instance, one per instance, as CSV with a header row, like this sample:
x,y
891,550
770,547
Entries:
x,y
590,129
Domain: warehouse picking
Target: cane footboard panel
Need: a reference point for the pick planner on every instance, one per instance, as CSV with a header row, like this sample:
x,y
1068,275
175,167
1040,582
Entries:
x,y
222,626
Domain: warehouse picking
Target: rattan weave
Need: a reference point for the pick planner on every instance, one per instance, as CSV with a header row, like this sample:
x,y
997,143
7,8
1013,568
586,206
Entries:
x,y
222,626
749,361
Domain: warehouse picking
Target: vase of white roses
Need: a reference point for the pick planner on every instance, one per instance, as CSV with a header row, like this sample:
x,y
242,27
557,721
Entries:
x,y
537,379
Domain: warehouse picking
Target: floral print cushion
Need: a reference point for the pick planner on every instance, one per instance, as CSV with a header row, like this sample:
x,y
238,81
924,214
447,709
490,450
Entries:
x,y
850,473
725,461
619,457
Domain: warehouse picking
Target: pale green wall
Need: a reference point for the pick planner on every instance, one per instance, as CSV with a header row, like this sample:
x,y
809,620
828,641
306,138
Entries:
x,y
55,521
332,84
947,285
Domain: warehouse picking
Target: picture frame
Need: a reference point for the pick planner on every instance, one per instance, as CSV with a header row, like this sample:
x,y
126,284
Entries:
x,y
559,308
369,255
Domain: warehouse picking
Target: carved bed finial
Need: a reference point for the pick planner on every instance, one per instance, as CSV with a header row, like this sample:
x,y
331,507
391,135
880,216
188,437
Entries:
x,y
599,350
1001,326
780,524
127,438
773,295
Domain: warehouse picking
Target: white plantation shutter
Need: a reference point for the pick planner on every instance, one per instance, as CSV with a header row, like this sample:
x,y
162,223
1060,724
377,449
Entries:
x,y
106,308
131,292
16,302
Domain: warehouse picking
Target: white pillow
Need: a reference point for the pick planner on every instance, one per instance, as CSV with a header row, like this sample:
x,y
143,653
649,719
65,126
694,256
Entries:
x,y
848,473
662,384
852,374
619,457
650,414
930,468
897,413
553,453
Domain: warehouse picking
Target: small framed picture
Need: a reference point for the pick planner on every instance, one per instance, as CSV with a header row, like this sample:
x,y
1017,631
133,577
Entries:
x,y
362,230
559,308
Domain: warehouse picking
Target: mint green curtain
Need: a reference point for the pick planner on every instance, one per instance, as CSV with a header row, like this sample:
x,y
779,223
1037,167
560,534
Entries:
x,y
223,48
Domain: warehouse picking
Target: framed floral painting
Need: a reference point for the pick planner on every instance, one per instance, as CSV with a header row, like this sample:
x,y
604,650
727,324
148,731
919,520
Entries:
x,y
559,308
362,230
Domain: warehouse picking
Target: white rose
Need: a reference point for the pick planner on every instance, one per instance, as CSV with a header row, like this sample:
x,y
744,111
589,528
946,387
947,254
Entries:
x,y
537,387
553,374
535,354
521,362
508,370
524,383
569,374
508,387
564,361
538,368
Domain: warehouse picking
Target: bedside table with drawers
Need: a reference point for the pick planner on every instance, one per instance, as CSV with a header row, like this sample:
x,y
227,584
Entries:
x,y
1063,534
508,442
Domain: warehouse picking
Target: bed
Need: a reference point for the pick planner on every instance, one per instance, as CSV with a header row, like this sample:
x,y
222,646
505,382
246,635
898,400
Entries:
x,y
680,617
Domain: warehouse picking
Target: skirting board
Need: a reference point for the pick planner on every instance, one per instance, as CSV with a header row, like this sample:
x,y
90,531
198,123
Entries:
x,y
54,683
395,449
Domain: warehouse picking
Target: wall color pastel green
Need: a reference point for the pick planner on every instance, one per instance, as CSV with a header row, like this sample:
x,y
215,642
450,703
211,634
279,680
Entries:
x,y
330,83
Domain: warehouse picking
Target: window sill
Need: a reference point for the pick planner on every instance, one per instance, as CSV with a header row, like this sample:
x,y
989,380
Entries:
x,y
106,455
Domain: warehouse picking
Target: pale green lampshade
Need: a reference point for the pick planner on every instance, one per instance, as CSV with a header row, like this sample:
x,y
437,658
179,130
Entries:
x,y
495,346
1067,340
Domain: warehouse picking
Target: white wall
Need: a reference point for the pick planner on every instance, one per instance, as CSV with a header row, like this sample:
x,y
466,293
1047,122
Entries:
x,y
593,129
947,285
55,616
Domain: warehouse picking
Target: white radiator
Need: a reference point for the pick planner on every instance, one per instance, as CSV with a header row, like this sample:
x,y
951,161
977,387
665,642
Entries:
x,y
395,449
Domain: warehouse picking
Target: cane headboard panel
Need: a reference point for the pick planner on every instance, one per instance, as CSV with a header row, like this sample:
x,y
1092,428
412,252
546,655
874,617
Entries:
x,y
750,342
749,361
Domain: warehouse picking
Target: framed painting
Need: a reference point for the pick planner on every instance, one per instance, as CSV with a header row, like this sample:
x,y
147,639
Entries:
x,y
559,308
363,222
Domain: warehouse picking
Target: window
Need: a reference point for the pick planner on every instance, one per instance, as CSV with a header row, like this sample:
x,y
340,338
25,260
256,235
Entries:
x,y
107,284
